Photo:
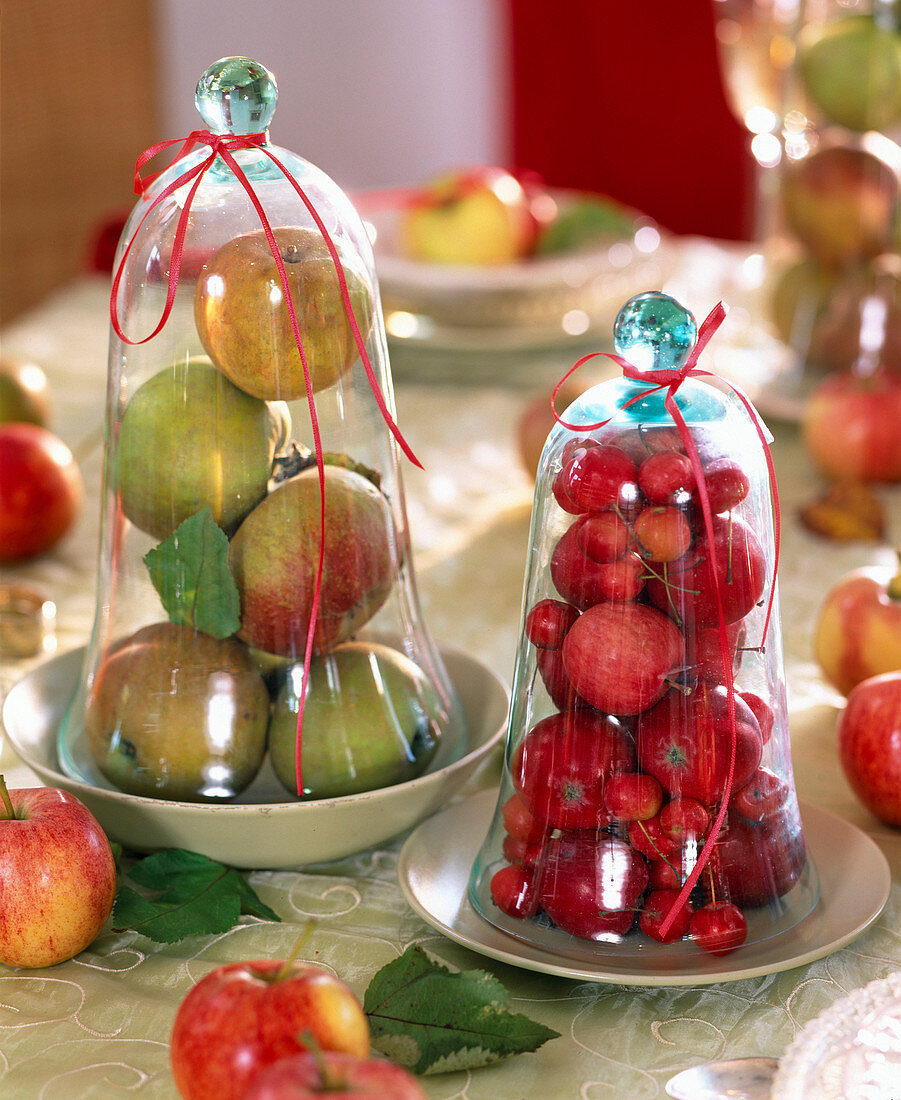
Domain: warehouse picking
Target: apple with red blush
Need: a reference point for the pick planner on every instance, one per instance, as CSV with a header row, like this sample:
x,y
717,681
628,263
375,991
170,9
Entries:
x,y
514,890
665,476
655,911
548,621
726,483
763,712
858,629
590,885
520,822
555,679
244,1016
604,536
685,742
683,819
597,477
633,796
764,794
649,838
618,656
57,876
753,863
561,766
849,425
334,1076
869,745
662,533
719,927
41,491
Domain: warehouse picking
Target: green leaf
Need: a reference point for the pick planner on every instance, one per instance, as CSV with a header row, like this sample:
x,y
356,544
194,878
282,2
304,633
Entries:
x,y
433,1020
184,894
190,572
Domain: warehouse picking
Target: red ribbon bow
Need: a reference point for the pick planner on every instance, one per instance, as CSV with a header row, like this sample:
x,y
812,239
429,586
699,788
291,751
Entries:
x,y
224,146
670,380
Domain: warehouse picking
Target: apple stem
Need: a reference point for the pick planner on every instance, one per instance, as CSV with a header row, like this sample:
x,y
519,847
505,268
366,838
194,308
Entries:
x,y
9,812
284,971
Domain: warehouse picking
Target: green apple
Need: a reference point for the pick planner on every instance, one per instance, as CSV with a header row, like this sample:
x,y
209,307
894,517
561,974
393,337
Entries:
x,y
274,556
189,438
851,69
244,323
841,202
173,713
367,722
480,217
799,296
24,392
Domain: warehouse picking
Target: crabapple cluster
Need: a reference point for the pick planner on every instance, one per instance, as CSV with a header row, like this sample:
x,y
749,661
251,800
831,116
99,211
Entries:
x,y
614,794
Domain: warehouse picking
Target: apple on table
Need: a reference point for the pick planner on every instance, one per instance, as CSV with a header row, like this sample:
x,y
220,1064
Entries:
x,y
57,876
24,392
869,745
336,1077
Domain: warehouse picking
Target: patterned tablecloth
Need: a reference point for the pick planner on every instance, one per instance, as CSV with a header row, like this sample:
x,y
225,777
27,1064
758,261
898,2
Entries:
x,y
98,1026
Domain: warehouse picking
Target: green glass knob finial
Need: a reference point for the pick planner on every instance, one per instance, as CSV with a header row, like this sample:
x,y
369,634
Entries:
x,y
236,95
654,332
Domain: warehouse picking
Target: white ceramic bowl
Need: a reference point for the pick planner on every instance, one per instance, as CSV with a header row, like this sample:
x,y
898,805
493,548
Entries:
x,y
261,835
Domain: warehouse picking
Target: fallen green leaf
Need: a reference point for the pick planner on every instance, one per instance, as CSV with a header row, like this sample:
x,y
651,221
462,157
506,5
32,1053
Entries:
x,y
190,572
434,1020
184,894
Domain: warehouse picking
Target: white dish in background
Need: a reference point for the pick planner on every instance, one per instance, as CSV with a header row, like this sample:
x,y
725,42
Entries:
x,y
855,881
259,835
852,1049
540,302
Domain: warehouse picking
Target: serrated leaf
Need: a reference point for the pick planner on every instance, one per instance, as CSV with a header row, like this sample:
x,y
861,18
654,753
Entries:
x,y
434,1020
186,894
190,572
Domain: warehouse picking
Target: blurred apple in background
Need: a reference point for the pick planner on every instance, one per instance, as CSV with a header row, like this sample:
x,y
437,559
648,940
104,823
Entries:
x,y
858,631
24,392
841,200
536,420
41,490
57,877
851,69
869,745
339,1076
483,216
850,425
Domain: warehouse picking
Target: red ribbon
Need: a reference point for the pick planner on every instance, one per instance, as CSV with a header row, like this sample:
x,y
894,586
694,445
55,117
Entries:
x,y
224,146
670,380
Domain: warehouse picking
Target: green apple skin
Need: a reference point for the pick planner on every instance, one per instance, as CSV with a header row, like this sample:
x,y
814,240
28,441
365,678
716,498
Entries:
x,y
841,203
274,556
188,438
479,218
176,714
244,324
367,722
24,392
800,297
851,70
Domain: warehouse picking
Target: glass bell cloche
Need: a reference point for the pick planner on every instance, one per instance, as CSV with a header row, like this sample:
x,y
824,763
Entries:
x,y
647,805
257,626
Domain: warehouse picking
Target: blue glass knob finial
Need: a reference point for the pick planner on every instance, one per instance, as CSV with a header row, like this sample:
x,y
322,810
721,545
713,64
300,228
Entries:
x,y
654,332
236,95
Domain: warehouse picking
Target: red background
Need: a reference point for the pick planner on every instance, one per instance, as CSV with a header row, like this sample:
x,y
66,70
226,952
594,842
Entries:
x,y
627,98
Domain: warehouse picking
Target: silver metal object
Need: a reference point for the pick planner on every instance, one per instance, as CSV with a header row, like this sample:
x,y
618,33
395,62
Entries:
x,y
737,1079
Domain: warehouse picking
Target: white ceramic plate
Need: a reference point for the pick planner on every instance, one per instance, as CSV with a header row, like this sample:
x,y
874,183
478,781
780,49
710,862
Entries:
x,y
853,1049
256,835
855,880
542,302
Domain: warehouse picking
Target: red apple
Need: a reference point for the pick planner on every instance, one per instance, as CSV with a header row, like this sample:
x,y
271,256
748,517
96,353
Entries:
x,y
548,622
618,656
685,741
335,1077
536,421
244,1016
753,863
869,745
858,630
656,907
719,927
514,891
41,490
57,877
850,424
633,796
555,679
599,477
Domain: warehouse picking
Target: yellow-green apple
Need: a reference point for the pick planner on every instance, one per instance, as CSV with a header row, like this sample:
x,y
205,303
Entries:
x,y
243,320
478,217
24,392
841,202
851,69
174,713
858,629
335,1077
369,721
245,1016
869,745
274,556
799,297
849,425
41,490
57,876
189,438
